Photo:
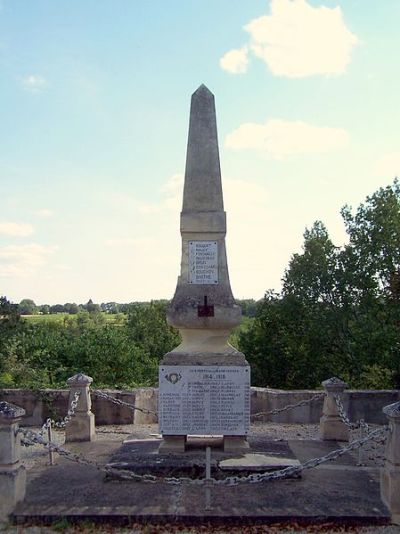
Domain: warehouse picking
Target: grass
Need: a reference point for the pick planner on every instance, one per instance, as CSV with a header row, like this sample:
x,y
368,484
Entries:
x,y
63,317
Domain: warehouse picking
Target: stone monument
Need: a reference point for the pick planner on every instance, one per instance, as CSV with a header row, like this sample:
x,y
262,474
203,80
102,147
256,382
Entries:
x,y
204,382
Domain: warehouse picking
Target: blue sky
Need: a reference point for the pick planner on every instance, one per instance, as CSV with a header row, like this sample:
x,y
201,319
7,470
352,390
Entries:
x,y
94,113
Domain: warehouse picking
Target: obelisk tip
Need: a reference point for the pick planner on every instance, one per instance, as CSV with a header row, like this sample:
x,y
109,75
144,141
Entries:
x,y
203,90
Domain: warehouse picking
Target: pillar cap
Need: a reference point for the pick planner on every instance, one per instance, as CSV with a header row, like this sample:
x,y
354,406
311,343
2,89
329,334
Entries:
x,y
334,383
392,410
10,411
79,379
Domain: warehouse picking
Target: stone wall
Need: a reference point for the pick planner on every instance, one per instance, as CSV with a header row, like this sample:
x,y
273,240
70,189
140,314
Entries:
x,y
359,404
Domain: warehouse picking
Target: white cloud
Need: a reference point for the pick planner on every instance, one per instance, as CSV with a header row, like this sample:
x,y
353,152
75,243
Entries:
x,y
235,61
34,83
297,39
43,213
279,138
16,229
388,165
23,260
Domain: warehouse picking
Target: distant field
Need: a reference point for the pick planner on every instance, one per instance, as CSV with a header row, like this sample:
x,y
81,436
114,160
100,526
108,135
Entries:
x,y
61,317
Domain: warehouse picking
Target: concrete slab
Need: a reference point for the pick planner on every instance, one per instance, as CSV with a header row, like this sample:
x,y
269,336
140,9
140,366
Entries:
x,y
339,492
144,456
257,462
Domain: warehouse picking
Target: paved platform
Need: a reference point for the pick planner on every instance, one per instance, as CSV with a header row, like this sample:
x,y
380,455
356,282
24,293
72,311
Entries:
x,y
143,456
339,491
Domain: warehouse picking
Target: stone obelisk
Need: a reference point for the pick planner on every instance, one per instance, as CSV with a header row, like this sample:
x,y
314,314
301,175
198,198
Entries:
x,y
204,366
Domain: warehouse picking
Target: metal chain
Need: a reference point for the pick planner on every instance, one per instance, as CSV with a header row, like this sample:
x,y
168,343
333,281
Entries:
x,y
119,402
26,442
268,475
291,406
344,417
35,437
62,424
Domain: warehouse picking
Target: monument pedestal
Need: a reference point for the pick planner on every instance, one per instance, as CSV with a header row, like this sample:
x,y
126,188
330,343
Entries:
x,y
172,444
204,383
235,443
206,400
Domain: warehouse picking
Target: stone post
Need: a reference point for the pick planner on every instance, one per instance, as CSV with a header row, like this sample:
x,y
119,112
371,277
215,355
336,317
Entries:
x,y
390,473
81,426
12,473
203,308
331,426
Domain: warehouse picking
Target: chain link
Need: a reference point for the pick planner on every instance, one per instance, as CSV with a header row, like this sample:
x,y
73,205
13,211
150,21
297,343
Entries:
x,y
377,434
62,424
119,402
50,423
36,437
290,406
344,417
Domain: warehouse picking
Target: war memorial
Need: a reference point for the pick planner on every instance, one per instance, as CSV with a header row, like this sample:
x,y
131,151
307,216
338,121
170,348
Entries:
x,y
220,453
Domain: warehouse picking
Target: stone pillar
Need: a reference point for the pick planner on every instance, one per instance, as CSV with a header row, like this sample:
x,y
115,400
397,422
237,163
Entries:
x,y
390,473
331,426
81,426
12,473
203,308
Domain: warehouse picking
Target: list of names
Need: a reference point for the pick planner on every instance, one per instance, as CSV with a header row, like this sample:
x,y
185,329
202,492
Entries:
x,y
204,400
203,262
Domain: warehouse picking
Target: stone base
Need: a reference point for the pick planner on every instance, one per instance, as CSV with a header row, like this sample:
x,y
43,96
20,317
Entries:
x,y
333,428
80,428
250,461
390,490
172,444
235,443
12,488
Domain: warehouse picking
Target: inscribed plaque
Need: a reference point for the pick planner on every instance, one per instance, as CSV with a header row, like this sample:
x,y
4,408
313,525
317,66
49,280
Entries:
x,y
203,262
204,400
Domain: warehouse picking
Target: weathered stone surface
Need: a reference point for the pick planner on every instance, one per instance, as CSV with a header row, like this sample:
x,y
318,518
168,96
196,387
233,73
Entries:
x,y
257,462
80,428
12,473
235,443
172,444
338,492
334,384
9,444
331,425
333,428
203,189
358,404
9,411
203,219
390,474
12,488
203,307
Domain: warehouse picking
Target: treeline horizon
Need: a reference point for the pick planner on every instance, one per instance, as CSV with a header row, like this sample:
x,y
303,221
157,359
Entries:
x,y
28,307
338,314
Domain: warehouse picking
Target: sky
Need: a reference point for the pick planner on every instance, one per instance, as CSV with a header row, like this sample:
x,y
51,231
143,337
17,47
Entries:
x,y
94,114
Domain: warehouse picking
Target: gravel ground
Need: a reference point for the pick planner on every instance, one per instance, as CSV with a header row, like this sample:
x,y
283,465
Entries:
x,y
372,456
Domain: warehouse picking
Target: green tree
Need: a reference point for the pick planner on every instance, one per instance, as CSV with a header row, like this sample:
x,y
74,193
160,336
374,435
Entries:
x,y
339,311
44,309
91,307
27,307
71,308
148,329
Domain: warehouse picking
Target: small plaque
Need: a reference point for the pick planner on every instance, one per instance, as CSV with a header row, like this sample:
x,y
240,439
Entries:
x,y
203,262
204,400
